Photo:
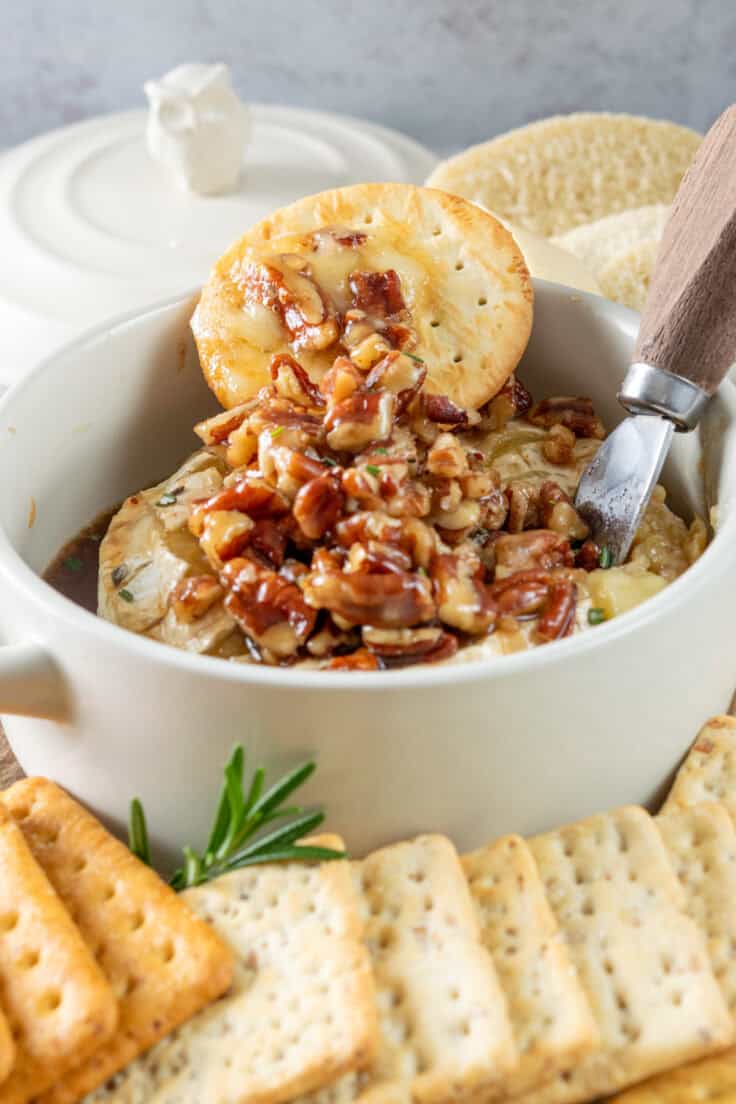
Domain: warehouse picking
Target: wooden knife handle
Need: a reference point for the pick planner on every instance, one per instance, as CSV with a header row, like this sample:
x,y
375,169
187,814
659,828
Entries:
x,y
689,321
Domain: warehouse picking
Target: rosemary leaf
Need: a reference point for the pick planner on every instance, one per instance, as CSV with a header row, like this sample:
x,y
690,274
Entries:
x,y
305,853
282,789
138,833
222,817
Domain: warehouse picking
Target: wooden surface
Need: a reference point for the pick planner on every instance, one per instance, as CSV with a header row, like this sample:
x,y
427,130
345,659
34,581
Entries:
x,y
689,322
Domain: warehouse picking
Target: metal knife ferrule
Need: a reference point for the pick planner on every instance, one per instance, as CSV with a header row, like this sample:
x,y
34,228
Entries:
x,y
650,390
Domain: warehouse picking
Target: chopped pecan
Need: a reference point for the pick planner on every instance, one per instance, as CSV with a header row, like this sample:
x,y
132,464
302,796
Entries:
x,y
268,607
339,382
447,458
248,494
523,500
400,374
588,556
534,549
319,504
268,539
494,509
339,235
216,430
407,645
391,600
462,597
359,420
360,660
288,290
575,412
377,293
291,382
558,618
559,445
476,484
376,558
222,534
557,512
288,423
440,409
520,595
410,534
329,640
512,401
194,595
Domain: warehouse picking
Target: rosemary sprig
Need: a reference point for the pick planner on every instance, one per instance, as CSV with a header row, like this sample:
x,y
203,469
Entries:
x,y
237,838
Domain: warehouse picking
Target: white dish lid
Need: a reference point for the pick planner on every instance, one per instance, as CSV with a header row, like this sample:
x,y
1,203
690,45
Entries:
x,y
91,226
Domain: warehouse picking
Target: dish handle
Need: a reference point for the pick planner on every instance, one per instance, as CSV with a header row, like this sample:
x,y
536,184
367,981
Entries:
x,y
31,683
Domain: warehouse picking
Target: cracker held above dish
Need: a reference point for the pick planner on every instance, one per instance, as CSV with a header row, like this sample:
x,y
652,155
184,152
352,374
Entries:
x,y
380,490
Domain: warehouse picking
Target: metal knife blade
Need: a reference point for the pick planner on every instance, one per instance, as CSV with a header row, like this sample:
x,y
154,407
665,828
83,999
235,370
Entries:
x,y
616,486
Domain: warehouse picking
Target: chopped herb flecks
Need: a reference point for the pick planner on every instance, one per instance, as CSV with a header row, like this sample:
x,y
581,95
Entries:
x,y
413,357
329,461
126,595
277,432
605,559
382,451
372,469
73,563
596,616
119,573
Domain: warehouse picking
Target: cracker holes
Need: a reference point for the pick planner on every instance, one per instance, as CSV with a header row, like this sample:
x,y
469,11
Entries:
x,y
464,1028
588,909
436,233
676,998
167,951
397,997
131,984
28,960
108,892
137,920
434,323
428,903
8,921
385,939
459,266
457,359
608,966
454,993
482,301
50,1001
368,219
621,1002
417,876
79,864
21,812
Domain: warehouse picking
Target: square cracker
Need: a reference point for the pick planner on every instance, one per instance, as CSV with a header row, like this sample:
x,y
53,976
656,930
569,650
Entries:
x,y
444,1029
301,1009
642,962
701,844
709,771
57,1001
551,1019
162,962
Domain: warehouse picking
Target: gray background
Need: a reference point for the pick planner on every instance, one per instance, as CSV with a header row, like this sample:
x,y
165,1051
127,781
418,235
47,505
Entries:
x,y
448,72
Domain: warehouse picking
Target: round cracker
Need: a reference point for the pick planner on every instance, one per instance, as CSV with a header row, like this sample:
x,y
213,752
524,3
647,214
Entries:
x,y
597,243
463,278
567,170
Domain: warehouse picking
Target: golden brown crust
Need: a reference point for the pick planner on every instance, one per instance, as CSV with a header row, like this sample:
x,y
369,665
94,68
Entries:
x,y
54,994
464,280
163,963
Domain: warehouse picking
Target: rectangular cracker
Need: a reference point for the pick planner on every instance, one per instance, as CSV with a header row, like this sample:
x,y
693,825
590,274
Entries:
x,y
701,844
162,962
709,771
551,1019
301,1010
59,1006
642,962
443,1026
711,1079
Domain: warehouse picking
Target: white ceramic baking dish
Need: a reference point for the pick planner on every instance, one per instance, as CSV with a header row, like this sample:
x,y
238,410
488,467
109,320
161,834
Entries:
x,y
517,743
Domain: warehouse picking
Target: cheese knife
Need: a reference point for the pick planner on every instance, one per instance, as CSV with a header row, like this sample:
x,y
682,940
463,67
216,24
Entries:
x,y
685,346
